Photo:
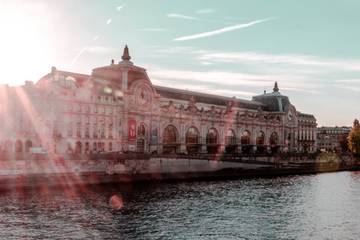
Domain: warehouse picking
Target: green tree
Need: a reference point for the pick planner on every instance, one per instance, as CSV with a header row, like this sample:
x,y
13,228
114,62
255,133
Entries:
x,y
354,138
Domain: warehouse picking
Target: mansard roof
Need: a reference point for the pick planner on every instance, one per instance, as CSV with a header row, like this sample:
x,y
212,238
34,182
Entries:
x,y
173,93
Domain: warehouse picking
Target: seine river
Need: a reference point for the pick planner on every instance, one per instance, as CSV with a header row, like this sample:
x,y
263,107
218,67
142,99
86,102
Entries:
x,y
324,206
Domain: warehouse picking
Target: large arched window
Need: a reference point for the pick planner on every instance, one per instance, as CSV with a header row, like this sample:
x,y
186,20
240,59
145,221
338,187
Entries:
x,y
274,142
245,138
140,142
141,130
78,147
170,143
18,146
274,139
28,145
192,136
170,135
230,141
260,139
212,138
230,138
192,140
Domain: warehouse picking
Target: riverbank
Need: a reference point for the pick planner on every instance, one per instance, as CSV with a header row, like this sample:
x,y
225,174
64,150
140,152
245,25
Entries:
x,y
154,170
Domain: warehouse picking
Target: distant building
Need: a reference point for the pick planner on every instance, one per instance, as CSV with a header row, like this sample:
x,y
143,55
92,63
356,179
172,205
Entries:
x,y
332,138
117,108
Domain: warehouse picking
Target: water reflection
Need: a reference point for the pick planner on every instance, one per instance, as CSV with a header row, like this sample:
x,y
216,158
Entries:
x,y
321,206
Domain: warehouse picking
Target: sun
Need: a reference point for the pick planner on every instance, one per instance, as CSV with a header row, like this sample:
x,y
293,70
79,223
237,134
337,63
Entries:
x,y
25,42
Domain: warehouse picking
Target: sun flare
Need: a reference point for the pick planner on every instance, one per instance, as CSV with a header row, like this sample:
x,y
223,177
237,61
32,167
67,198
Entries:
x,y
25,41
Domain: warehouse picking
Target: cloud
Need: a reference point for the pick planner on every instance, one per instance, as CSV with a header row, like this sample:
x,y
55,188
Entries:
x,y
351,88
175,15
94,50
230,81
221,30
353,81
77,56
118,8
205,11
208,88
246,57
108,21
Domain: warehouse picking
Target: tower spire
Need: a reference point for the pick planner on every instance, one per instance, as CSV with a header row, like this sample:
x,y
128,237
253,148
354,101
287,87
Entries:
x,y
276,88
126,55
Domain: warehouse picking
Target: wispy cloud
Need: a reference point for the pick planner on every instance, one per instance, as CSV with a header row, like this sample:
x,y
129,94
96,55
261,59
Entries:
x,y
205,11
108,21
94,50
176,15
352,81
221,30
205,88
119,8
77,56
351,88
229,81
305,60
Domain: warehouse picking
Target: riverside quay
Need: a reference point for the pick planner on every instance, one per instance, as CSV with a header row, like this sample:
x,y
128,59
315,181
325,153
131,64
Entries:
x,y
118,109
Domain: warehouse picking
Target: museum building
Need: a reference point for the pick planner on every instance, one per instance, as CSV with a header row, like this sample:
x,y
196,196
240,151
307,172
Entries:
x,y
118,109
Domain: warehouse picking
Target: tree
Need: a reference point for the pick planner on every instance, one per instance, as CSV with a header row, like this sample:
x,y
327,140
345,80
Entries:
x,y
354,138
344,143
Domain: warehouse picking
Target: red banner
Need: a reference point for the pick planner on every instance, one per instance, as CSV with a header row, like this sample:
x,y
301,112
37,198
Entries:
x,y
132,129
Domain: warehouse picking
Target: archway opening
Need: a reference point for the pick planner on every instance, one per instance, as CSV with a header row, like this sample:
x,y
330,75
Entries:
x,y
170,144
245,142
18,146
78,148
260,142
274,142
212,138
230,141
28,146
140,142
192,140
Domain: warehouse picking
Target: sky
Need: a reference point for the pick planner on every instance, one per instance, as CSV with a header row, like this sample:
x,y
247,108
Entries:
x,y
230,47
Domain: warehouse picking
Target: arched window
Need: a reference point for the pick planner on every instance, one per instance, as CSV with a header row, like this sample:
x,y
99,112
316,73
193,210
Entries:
x,y
212,138
87,147
260,139
78,147
245,138
274,142
274,139
28,145
230,141
170,135
141,130
18,146
192,136
170,143
192,140
230,138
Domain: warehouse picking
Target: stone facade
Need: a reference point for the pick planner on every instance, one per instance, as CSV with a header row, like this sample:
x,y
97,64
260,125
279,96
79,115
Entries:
x,y
118,109
332,138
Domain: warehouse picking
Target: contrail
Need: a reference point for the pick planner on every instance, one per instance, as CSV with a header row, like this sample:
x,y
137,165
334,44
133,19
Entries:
x,y
221,30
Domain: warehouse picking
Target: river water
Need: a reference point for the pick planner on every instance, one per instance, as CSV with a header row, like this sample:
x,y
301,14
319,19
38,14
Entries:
x,y
323,206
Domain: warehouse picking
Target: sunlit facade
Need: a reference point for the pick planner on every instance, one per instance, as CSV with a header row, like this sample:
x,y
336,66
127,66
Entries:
x,y
118,109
